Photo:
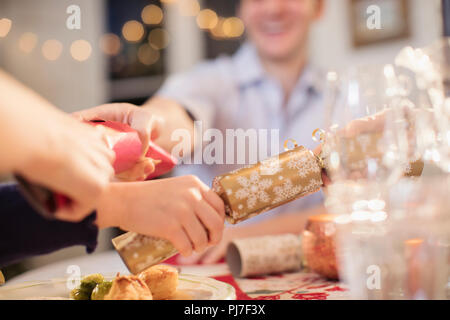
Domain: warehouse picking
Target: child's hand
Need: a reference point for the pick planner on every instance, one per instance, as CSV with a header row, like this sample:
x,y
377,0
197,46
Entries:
x,y
66,156
182,210
142,120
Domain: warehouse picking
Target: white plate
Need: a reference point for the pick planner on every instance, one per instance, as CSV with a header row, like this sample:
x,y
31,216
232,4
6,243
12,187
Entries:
x,y
196,287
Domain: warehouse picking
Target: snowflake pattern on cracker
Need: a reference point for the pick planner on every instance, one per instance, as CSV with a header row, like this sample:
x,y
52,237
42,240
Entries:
x,y
286,191
253,189
304,165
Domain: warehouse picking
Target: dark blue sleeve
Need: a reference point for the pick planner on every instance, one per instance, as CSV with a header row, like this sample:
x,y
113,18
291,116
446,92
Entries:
x,y
25,233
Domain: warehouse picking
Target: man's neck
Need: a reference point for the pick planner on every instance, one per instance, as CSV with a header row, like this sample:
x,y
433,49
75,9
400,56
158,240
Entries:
x,y
286,71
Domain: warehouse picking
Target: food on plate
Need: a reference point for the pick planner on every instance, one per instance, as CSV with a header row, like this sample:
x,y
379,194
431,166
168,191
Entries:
x,y
101,290
128,288
87,285
158,282
162,281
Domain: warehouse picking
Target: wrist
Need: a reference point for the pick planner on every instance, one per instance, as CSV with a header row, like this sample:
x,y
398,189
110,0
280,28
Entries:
x,y
31,162
110,209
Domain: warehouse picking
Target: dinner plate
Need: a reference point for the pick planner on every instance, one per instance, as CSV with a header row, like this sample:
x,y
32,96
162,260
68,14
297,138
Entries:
x,y
190,287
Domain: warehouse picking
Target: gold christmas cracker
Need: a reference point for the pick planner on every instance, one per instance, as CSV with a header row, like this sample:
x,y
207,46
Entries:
x,y
140,252
255,189
264,255
252,190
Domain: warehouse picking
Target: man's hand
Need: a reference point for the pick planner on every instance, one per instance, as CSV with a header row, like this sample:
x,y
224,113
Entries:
x,y
182,210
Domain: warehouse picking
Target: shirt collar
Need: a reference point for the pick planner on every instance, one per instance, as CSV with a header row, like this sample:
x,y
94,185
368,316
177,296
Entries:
x,y
311,80
249,70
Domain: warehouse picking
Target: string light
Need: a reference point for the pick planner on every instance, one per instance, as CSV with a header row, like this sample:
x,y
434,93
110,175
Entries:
x,y
27,42
152,14
81,50
217,32
110,44
158,38
147,55
233,27
189,8
207,19
133,31
52,49
5,27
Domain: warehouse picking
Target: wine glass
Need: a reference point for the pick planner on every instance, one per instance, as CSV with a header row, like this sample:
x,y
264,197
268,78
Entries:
x,y
366,127
372,140
427,70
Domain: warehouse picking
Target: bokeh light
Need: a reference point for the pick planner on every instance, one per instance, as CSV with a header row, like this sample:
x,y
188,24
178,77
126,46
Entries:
x,y
81,50
147,55
189,8
133,31
5,27
152,14
52,49
217,31
159,38
27,42
233,27
110,44
207,19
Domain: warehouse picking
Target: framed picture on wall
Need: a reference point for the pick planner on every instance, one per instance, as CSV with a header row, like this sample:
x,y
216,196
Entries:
x,y
379,21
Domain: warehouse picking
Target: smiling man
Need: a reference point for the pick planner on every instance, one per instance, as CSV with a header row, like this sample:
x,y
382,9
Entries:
x,y
267,84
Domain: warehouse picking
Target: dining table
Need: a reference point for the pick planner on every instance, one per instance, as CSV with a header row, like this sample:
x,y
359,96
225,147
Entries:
x,y
298,285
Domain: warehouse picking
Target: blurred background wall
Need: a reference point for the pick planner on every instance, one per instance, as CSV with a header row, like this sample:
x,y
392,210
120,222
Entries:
x,y
129,47
331,39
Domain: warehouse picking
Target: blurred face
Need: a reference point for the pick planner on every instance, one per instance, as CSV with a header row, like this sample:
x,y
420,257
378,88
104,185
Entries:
x,y
279,28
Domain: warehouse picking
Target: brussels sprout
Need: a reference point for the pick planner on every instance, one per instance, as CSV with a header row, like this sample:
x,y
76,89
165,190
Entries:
x,y
95,277
101,290
78,294
87,285
89,282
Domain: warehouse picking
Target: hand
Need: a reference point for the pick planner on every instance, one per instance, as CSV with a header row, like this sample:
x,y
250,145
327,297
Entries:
x,y
182,210
66,156
214,254
325,179
374,123
146,123
51,148
368,124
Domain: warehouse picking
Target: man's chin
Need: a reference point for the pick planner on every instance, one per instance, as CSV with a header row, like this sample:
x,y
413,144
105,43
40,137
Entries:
x,y
279,55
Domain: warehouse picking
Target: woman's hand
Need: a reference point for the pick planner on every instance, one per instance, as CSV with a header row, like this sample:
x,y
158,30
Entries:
x,y
182,210
51,148
68,157
146,123
216,253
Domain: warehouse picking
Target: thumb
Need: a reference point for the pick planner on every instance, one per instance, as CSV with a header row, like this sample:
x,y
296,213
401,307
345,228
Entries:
x,y
215,254
192,259
148,127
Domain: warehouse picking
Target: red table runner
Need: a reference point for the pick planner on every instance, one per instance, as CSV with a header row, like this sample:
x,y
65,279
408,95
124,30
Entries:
x,y
288,286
